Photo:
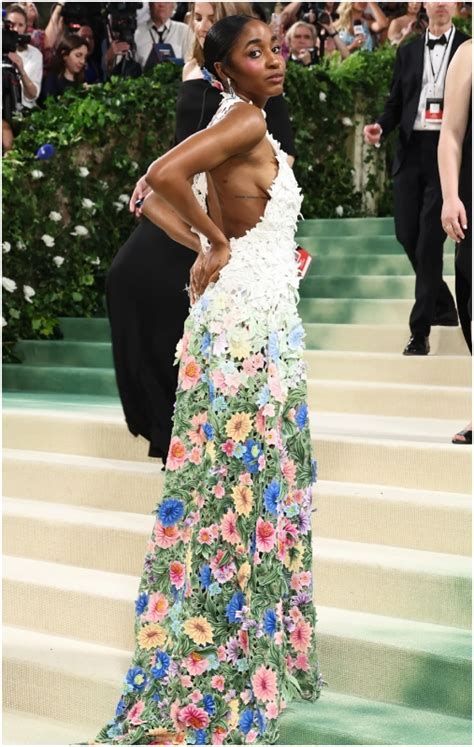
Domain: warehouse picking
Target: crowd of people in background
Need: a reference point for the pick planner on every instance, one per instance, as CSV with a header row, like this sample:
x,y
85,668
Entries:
x,y
78,48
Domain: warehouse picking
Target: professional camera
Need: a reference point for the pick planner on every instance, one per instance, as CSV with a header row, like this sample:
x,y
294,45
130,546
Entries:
x,y
310,13
123,20
76,15
11,79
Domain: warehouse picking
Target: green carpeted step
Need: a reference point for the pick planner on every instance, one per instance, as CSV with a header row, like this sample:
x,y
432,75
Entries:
x,y
352,287
57,673
347,227
377,336
352,311
352,246
95,381
64,353
95,329
367,264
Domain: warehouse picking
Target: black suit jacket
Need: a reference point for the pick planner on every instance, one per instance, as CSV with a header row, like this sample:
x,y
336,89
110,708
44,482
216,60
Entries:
x,y
402,105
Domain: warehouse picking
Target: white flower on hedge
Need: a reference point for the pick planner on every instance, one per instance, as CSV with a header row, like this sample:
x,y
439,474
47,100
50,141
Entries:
x,y
118,206
6,247
134,166
28,293
84,171
340,211
104,184
4,322
95,261
87,204
9,285
20,245
54,215
347,121
124,198
310,168
48,240
80,231
322,96
58,261
37,174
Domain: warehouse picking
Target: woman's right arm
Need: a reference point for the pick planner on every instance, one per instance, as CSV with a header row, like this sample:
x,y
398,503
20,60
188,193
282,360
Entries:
x,y
162,215
171,178
171,175
453,129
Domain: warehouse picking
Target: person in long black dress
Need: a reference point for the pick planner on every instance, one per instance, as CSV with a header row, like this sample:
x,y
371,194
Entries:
x,y
455,166
147,301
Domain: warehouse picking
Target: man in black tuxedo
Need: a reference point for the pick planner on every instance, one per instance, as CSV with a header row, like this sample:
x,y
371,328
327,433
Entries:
x,y
415,105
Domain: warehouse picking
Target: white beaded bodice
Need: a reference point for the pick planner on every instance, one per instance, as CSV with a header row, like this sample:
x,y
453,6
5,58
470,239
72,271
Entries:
x,y
262,273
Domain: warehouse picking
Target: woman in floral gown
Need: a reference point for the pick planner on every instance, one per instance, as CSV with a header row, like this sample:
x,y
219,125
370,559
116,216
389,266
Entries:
x,y
225,621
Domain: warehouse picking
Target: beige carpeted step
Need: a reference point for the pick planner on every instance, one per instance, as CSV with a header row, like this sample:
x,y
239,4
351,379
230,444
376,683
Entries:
x,y
20,728
431,370
426,520
402,400
381,338
364,452
375,578
418,519
350,643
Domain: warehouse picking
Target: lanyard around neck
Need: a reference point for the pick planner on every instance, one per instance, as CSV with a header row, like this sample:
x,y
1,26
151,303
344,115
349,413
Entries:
x,y
435,77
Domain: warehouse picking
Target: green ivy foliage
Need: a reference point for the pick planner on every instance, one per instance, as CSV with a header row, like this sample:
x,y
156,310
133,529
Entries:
x,y
106,136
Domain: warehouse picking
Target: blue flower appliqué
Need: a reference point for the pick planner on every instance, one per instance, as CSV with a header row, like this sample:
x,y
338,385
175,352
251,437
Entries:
x,y
141,603
235,605
170,511
301,417
136,678
253,450
270,496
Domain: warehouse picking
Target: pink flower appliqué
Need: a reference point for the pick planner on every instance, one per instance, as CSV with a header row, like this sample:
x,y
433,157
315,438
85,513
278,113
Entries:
x,y
190,373
135,712
266,535
264,683
176,454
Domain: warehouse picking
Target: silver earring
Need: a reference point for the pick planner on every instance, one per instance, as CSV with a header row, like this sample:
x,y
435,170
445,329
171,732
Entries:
x,y
230,89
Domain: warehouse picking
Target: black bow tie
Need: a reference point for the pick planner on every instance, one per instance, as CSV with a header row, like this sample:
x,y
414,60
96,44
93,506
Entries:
x,y
433,42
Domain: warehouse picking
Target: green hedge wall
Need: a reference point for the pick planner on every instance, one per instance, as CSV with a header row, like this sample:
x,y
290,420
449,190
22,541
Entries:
x,y
65,218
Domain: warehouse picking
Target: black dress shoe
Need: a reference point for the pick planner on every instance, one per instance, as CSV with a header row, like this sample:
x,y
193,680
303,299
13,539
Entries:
x,y
417,345
448,319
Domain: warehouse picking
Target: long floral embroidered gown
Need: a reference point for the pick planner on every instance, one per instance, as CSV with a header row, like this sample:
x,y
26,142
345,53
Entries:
x,y
225,621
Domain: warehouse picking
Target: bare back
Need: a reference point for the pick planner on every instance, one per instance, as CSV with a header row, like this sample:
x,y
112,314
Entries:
x,y
238,188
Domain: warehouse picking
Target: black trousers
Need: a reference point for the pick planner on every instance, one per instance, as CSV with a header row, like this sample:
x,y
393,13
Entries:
x,y
418,203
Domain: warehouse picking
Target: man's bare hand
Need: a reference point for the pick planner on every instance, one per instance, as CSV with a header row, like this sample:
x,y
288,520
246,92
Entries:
x,y
372,134
454,219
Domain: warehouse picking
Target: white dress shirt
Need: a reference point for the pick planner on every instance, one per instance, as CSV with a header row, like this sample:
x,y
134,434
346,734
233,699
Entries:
x,y
33,64
433,86
174,32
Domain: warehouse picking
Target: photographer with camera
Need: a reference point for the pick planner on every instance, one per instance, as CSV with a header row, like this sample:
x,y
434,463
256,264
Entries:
x,y
302,44
27,60
120,57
